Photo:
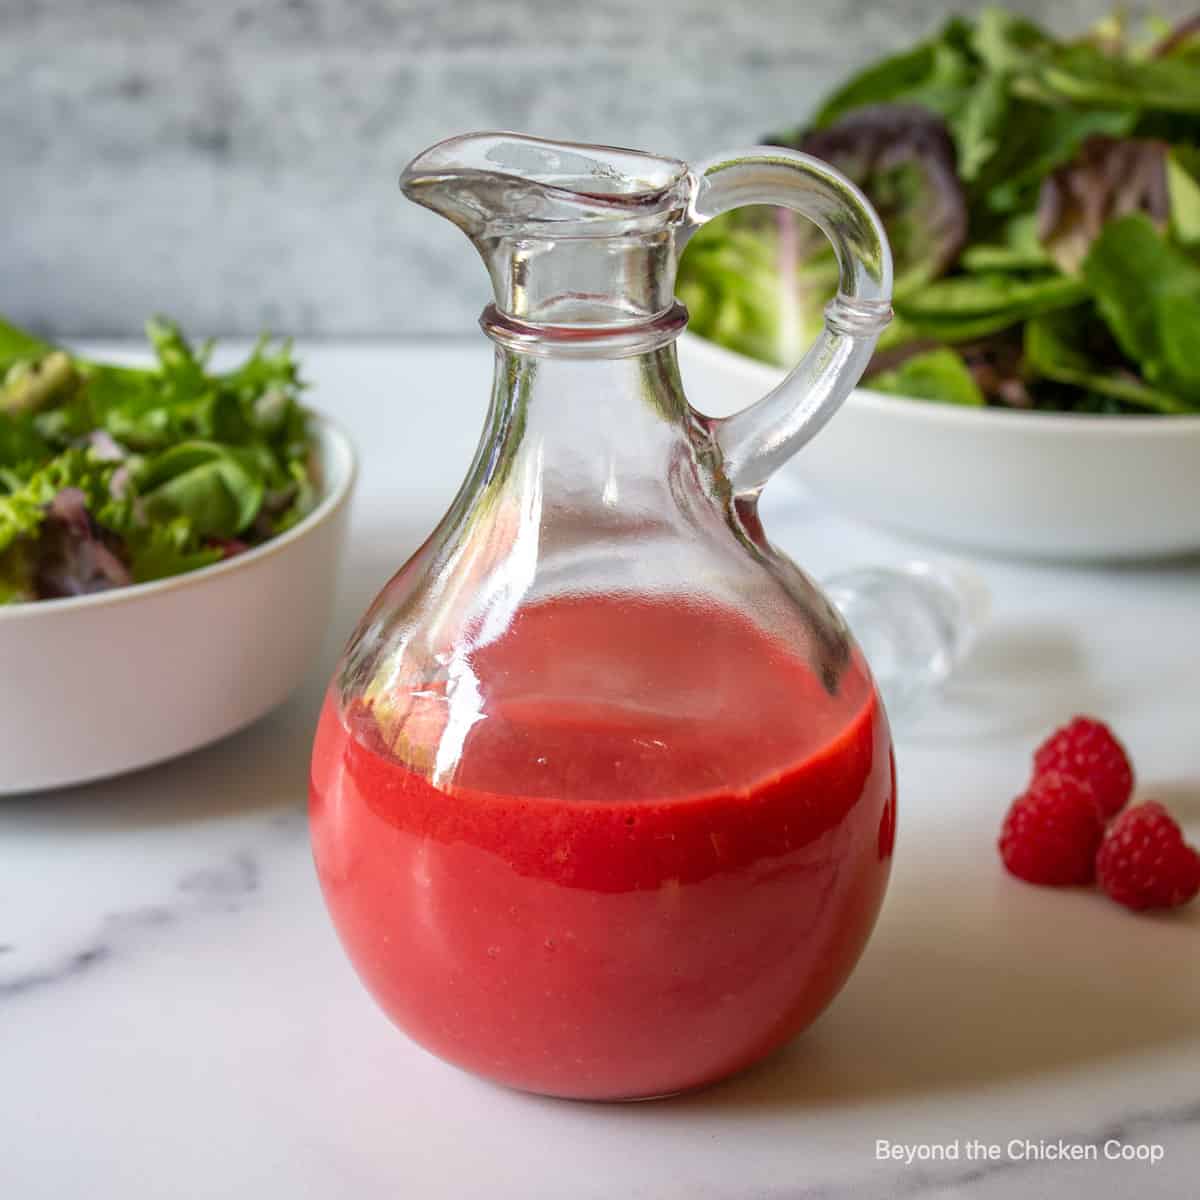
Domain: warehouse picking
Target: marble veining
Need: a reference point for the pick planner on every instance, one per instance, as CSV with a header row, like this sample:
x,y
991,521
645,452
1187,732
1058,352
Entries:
x,y
234,164
223,887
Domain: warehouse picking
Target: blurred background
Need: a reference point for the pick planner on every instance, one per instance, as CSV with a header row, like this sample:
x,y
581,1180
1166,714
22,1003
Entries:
x,y
233,165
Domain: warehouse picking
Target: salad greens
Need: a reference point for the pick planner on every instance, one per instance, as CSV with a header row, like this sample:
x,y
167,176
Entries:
x,y
1042,198
111,475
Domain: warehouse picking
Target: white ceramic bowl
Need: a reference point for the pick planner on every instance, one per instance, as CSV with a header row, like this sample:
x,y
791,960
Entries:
x,y
96,685
1036,485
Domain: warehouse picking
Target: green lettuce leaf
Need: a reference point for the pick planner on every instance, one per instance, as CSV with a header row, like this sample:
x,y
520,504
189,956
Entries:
x,y
1183,189
1037,139
1007,43
979,125
16,574
1056,348
21,448
1019,249
18,346
1082,74
219,489
162,550
304,501
22,508
970,306
902,77
1148,293
938,374
31,385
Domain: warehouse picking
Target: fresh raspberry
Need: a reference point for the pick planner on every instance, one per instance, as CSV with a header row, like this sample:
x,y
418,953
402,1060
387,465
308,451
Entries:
x,y
1051,832
1087,749
1144,862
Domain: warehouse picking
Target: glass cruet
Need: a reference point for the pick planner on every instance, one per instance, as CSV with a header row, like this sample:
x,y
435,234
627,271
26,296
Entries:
x,y
603,796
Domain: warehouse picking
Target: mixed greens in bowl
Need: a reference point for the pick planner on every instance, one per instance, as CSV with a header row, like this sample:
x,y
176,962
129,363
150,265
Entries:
x,y
112,475
1042,198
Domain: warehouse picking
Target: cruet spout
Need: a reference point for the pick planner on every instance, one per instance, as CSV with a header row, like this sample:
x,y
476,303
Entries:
x,y
608,215
496,183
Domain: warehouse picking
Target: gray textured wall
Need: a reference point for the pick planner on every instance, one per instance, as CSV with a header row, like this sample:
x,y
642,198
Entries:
x,y
234,164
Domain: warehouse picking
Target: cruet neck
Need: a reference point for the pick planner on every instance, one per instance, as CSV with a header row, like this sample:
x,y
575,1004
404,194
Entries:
x,y
609,215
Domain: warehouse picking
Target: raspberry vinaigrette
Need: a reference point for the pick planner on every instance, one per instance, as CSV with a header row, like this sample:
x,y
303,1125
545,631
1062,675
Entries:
x,y
655,855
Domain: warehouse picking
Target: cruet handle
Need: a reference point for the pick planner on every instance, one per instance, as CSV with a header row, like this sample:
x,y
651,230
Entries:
x,y
758,440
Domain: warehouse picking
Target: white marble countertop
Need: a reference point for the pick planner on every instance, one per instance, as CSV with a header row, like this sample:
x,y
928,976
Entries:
x,y
177,1019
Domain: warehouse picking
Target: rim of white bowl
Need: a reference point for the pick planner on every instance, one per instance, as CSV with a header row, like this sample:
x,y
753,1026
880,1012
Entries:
x,y
335,496
1152,424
